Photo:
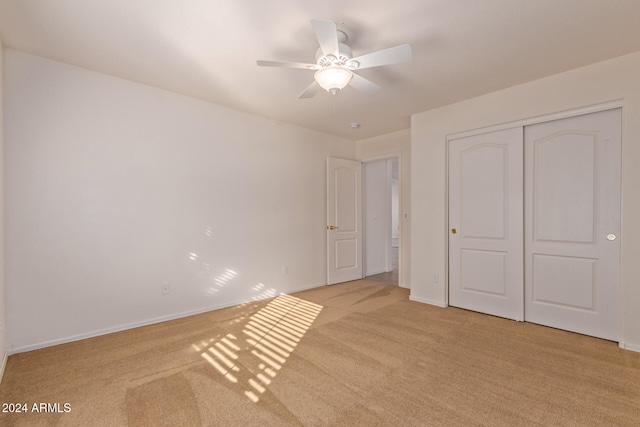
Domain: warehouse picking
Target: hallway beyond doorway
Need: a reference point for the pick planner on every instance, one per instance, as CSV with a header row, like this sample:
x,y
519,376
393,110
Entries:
x,y
389,277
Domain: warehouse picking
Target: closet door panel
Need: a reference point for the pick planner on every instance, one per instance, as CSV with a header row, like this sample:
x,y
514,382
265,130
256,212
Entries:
x,y
572,223
485,223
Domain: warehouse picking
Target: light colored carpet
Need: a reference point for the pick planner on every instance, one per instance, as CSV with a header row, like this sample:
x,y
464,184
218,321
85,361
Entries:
x,y
358,353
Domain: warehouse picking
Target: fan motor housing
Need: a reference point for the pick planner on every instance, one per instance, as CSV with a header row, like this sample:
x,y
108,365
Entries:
x,y
345,54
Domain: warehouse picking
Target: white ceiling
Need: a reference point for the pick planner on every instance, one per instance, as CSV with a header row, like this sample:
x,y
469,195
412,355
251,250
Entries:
x,y
208,49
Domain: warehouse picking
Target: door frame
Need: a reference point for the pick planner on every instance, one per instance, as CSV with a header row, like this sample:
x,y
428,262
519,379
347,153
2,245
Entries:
x,y
526,122
401,218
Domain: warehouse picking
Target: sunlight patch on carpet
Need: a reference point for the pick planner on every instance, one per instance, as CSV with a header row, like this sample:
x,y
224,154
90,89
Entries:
x,y
272,333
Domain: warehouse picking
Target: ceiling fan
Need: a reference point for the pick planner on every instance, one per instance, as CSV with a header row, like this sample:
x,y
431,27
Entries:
x,y
335,64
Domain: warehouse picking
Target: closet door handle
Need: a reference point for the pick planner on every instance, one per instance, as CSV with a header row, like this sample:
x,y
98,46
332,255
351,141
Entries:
x,y
454,231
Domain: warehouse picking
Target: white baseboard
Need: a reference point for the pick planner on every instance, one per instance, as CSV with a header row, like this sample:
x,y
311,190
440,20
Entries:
x,y
304,288
622,345
120,328
4,365
428,301
630,347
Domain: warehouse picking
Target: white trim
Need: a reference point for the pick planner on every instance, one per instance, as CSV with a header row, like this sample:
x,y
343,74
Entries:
x,y
445,276
3,365
621,283
388,232
428,301
394,155
92,334
540,119
630,347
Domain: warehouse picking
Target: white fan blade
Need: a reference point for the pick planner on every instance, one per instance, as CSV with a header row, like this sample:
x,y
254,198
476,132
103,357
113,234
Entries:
x,y
363,85
392,55
310,91
288,65
327,35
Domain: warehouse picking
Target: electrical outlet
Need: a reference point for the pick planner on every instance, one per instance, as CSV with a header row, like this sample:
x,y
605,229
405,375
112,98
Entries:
x,y
285,270
166,289
436,277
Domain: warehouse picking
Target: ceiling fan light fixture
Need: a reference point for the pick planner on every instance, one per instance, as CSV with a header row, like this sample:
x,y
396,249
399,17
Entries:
x,y
333,79
335,64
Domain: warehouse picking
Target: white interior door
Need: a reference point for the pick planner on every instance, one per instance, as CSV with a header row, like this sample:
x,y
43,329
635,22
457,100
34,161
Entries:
x,y
486,223
344,220
572,223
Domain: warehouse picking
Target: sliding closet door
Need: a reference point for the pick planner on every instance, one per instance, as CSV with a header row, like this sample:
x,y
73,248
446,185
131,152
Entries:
x,y
486,223
572,223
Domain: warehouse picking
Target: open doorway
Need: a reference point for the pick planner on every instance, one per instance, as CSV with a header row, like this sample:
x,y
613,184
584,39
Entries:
x,y
382,220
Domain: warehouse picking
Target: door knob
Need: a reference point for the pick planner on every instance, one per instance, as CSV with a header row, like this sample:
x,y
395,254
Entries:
x,y
331,227
454,231
611,236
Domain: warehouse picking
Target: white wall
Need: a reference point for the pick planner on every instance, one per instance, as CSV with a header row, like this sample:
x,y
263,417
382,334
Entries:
x,y
114,188
396,144
611,80
3,333
377,221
